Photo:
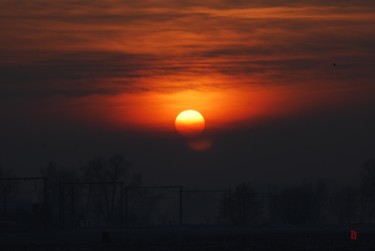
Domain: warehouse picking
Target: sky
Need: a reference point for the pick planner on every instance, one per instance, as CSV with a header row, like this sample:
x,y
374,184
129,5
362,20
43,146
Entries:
x,y
286,87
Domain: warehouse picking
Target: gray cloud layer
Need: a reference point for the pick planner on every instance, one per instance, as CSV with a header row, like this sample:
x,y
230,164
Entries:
x,y
108,47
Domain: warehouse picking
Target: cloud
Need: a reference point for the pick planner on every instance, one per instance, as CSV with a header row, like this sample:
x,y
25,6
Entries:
x,y
109,47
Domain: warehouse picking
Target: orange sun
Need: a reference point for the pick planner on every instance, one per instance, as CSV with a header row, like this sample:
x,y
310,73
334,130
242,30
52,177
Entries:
x,y
189,123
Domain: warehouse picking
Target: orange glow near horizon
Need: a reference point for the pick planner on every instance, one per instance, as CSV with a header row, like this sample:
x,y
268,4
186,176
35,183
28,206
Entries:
x,y
156,111
224,109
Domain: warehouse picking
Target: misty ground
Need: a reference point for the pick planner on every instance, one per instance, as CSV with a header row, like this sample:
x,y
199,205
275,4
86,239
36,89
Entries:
x,y
194,238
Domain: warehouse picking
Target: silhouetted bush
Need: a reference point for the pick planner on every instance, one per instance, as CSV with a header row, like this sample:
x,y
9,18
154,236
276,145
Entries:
x,y
241,207
296,205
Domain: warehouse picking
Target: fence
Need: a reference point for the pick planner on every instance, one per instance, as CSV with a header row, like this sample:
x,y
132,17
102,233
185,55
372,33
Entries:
x,y
153,206
23,203
91,205
205,207
28,204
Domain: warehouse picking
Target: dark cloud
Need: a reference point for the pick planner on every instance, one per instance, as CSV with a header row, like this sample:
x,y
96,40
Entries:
x,y
72,74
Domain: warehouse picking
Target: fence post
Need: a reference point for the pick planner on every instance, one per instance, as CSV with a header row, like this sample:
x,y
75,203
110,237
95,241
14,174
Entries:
x,y
72,201
121,204
126,207
45,208
181,205
5,200
61,205
228,205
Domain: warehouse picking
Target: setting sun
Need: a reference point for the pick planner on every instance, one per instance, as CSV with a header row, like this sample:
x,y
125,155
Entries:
x,y
189,123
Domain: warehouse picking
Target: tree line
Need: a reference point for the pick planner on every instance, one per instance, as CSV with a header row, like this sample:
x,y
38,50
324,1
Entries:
x,y
93,195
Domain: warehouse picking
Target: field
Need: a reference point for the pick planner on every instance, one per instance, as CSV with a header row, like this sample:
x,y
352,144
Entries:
x,y
191,238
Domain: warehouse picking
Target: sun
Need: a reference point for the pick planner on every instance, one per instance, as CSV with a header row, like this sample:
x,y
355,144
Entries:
x,y
189,123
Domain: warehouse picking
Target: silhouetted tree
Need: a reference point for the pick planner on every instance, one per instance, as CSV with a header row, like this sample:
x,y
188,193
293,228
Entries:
x,y
110,169
90,200
296,205
7,187
345,204
107,169
368,178
55,175
367,185
241,207
142,205
321,201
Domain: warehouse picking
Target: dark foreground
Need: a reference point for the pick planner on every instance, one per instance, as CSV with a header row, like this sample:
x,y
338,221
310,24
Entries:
x,y
192,238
